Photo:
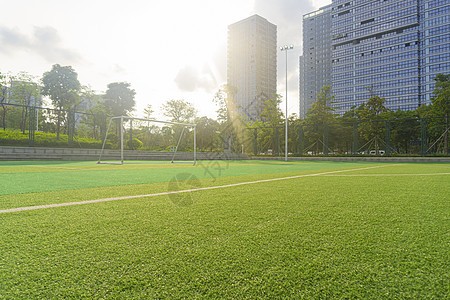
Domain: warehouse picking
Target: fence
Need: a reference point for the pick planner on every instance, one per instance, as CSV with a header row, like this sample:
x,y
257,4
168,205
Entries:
x,y
414,136
38,126
48,127
41,126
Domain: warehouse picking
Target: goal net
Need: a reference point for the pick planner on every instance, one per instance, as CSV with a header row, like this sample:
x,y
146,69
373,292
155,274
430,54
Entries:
x,y
129,139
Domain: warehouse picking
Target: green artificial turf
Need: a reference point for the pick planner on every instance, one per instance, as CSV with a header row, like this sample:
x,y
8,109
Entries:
x,y
32,178
384,233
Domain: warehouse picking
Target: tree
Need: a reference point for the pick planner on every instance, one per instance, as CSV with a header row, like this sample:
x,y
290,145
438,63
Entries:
x,y
231,123
268,129
25,91
62,86
179,111
119,98
224,99
207,137
293,133
405,127
4,81
96,113
373,112
271,114
320,114
148,111
441,102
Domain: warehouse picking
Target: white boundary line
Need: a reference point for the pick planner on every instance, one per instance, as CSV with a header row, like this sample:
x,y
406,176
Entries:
x,y
371,175
178,192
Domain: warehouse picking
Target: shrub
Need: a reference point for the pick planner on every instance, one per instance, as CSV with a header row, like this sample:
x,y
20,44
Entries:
x,y
43,139
135,145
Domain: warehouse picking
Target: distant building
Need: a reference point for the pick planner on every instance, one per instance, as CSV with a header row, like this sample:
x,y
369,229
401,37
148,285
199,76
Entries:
x,y
391,49
252,64
315,63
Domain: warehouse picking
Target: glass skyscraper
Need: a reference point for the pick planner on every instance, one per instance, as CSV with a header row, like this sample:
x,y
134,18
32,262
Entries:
x,y
388,48
435,50
315,63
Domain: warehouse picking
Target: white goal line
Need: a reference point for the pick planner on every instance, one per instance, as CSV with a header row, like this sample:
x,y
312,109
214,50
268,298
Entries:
x,y
19,209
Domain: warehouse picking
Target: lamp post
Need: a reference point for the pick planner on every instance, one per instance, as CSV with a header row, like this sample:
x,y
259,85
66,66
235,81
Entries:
x,y
285,48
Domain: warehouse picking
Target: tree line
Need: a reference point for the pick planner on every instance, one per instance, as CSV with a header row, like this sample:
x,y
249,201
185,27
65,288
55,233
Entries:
x,y
376,123
230,131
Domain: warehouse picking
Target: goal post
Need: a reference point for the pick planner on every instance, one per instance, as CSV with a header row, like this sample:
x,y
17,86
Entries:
x,y
122,122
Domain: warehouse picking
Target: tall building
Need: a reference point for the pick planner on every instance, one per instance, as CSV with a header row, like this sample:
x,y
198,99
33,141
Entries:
x,y
315,63
252,64
435,44
388,48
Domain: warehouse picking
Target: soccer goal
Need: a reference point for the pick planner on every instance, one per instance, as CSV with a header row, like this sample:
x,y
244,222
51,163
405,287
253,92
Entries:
x,y
147,139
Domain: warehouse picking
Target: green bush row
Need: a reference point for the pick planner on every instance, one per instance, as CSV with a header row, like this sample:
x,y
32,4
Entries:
x,y
42,139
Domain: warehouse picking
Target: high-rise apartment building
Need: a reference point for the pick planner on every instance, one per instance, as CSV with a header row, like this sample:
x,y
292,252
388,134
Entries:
x,y
252,64
388,48
315,63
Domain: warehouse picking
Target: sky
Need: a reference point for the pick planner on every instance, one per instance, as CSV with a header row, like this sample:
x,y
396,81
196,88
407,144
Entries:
x,y
166,49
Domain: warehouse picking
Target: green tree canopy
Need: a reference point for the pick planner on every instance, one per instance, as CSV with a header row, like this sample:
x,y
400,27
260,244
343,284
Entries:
x,y
148,111
441,103
441,99
4,82
207,136
62,86
119,98
179,111
372,113
271,114
320,114
25,91
231,123
97,113
227,108
373,109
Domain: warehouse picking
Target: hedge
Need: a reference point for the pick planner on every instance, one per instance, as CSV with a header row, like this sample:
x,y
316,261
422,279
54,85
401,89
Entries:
x,y
42,139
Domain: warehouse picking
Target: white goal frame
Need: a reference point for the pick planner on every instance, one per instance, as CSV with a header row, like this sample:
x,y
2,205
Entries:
x,y
126,118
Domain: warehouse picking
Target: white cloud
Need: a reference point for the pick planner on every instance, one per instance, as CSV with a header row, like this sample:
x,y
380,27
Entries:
x,y
190,79
44,41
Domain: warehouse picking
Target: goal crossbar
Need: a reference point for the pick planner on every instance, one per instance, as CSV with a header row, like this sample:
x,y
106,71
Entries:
x,y
126,118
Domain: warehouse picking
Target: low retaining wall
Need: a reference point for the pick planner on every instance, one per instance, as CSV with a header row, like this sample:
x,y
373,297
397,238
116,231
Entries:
x,y
356,158
70,154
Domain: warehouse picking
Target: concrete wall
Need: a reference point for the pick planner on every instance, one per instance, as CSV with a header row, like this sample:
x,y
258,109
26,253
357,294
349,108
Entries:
x,y
358,158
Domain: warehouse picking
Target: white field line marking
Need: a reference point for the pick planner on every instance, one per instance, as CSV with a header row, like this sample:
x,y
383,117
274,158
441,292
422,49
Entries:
x,y
364,175
64,168
178,192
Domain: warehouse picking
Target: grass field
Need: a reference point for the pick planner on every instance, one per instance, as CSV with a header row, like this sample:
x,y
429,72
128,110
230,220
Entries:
x,y
263,230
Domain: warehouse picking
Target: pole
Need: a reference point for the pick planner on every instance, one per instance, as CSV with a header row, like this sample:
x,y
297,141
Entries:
x,y
423,137
286,131
195,144
131,135
37,119
286,48
121,139
387,138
